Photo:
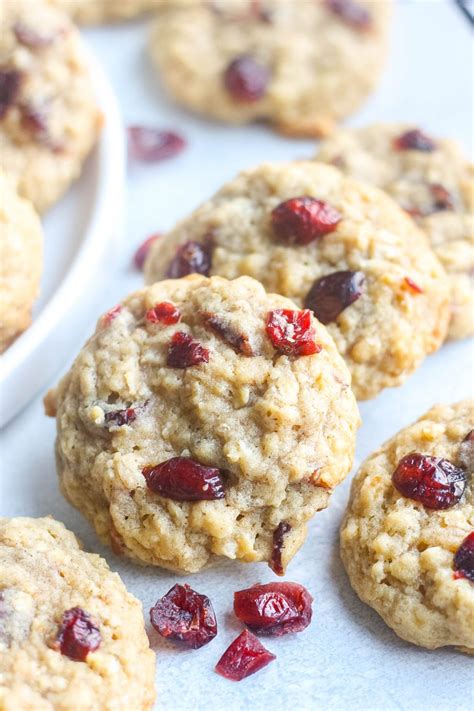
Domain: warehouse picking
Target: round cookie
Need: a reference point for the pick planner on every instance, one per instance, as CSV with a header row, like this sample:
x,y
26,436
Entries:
x,y
269,222
71,636
49,119
21,263
399,554
186,433
93,12
432,180
299,65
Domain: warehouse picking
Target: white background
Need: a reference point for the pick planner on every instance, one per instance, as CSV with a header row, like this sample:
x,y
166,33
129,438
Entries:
x,y
347,658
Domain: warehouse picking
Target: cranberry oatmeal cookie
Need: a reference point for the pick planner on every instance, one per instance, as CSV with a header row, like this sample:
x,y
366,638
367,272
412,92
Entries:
x,y
299,65
432,180
71,636
407,540
341,248
49,118
204,418
93,12
21,262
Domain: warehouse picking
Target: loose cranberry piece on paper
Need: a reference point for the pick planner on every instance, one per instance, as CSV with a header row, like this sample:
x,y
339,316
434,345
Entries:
x,y
245,656
331,294
291,332
184,352
443,200
110,315
412,285
152,145
141,254
301,220
119,418
10,81
274,608
186,616
351,12
434,482
464,558
246,79
164,312
190,258
78,635
278,536
415,140
236,340
29,37
183,479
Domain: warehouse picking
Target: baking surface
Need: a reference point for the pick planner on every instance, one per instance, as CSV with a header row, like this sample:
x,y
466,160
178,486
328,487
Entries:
x,y
347,658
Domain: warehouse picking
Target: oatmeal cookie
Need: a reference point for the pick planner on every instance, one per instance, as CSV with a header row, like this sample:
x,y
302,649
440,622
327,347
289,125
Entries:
x,y
432,180
407,540
94,12
21,262
71,636
339,247
49,119
299,65
204,418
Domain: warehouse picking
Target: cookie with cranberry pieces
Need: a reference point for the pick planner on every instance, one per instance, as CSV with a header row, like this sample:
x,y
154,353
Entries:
x,y
71,636
301,66
94,12
204,419
407,540
49,119
432,180
336,246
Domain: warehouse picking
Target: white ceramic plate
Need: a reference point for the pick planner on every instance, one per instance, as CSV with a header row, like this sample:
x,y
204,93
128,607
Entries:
x,y
78,234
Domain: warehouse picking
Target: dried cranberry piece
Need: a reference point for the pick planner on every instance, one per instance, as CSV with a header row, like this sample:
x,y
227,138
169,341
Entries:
x,y
246,79
190,258
110,315
141,254
183,479
464,558
164,312
466,452
303,219
434,482
30,37
415,140
245,656
152,145
331,294
291,332
186,616
443,200
10,82
278,535
78,635
121,417
185,352
412,285
274,608
351,12
236,340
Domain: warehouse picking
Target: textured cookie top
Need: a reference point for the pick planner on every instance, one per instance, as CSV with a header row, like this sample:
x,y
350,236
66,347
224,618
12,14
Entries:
x,y
193,368
44,574
400,554
92,12
300,65
391,307
48,114
432,180
21,263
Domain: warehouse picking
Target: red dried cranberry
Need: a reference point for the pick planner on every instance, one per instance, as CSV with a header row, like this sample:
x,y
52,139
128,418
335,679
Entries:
x,y
190,258
164,312
303,219
110,315
415,140
236,340
331,294
245,656
466,452
464,558
443,200
434,482
30,37
142,252
183,479
151,145
184,615
118,418
10,81
278,535
291,332
78,635
351,12
246,79
274,608
413,286
184,352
